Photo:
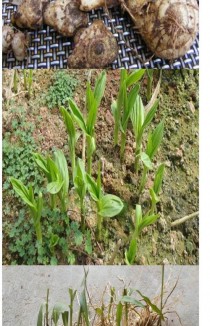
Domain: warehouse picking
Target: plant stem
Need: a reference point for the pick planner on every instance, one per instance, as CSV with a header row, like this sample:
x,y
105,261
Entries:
x,y
15,81
89,156
25,79
162,289
47,306
143,179
99,225
52,201
122,148
38,229
82,215
72,151
116,131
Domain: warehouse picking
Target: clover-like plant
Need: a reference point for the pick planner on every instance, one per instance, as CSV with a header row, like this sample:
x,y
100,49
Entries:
x,y
121,108
35,205
107,205
140,223
57,174
80,185
87,124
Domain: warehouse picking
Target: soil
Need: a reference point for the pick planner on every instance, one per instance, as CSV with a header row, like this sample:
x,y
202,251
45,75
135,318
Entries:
x,y
179,151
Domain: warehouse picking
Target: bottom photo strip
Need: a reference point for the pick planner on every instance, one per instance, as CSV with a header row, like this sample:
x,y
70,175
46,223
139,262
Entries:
x,y
97,295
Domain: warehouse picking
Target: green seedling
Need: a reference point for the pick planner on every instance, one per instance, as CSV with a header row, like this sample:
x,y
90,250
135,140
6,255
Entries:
x,y
84,310
56,172
15,84
43,316
121,108
53,242
35,205
73,136
140,223
60,310
154,141
72,295
87,125
150,73
107,205
80,185
140,122
28,80
155,190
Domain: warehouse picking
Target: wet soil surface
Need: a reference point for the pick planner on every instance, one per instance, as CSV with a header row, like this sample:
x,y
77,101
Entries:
x,y
159,243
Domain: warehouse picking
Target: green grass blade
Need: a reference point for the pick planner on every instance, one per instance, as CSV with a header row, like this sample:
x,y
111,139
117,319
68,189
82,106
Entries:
x,y
148,221
132,301
131,99
119,313
153,306
100,88
42,311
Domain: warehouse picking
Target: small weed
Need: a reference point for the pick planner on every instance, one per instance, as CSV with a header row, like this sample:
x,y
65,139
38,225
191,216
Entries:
x,y
62,89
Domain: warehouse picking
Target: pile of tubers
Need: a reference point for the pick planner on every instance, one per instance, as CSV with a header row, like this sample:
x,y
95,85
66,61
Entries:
x,y
168,27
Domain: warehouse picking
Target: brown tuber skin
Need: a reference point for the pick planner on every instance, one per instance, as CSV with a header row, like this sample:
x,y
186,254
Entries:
x,y
29,14
19,46
94,4
65,17
96,47
7,37
169,27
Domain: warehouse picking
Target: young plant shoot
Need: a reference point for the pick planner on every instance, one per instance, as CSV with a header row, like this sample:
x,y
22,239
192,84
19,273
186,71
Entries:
x,y
121,108
73,136
140,223
87,125
107,205
80,185
155,190
153,143
35,205
140,122
57,175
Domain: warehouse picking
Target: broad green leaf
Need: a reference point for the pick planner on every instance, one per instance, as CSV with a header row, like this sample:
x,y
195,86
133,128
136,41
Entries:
x,y
65,318
148,221
40,315
92,111
132,301
54,171
68,123
62,165
54,240
92,188
154,196
131,253
119,313
100,87
153,306
130,103
80,179
54,187
146,161
22,191
154,140
138,216
158,179
137,117
41,162
135,77
77,115
110,206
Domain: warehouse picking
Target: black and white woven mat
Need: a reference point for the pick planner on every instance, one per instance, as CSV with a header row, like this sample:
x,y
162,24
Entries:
x,y
48,49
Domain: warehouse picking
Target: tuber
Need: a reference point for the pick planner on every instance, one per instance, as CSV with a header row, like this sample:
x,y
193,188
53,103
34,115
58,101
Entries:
x,y
169,27
96,47
29,14
19,46
94,4
7,37
65,17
